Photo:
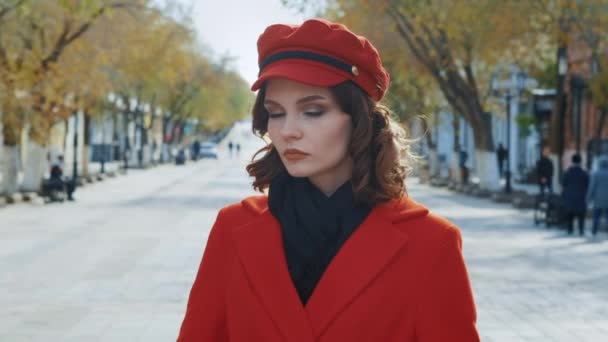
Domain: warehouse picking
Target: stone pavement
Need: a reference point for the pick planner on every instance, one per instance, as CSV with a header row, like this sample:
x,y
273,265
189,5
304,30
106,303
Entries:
x,y
117,265
530,283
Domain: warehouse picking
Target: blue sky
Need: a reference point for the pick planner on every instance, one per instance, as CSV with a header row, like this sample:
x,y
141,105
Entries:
x,y
233,27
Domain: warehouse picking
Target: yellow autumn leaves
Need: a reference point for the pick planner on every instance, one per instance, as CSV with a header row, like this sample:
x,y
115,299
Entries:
x,y
58,56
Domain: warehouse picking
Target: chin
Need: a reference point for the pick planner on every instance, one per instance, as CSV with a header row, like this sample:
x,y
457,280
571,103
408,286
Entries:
x,y
299,171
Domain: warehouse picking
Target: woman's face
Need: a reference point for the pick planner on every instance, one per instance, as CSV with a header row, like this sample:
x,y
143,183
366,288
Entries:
x,y
310,132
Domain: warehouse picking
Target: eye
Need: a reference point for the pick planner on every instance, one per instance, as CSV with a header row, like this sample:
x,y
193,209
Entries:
x,y
275,115
314,113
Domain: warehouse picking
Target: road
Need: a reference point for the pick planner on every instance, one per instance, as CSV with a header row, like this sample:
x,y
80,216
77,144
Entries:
x,y
117,264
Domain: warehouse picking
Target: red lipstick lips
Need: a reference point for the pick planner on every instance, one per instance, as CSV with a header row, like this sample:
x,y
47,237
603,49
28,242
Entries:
x,y
294,154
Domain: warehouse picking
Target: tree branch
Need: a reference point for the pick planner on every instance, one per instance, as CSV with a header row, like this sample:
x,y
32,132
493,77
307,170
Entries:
x,y
65,38
4,11
406,32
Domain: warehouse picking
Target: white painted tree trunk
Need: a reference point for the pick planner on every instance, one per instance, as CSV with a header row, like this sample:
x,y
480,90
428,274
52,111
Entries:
x,y
84,160
35,166
433,163
10,169
487,170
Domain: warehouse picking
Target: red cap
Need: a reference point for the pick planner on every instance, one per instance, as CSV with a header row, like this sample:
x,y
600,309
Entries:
x,y
320,53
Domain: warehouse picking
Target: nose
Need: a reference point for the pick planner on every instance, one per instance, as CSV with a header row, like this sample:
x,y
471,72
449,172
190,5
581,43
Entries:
x,y
290,129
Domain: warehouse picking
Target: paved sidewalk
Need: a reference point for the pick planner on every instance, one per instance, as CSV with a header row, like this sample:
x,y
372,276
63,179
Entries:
x,y
530,283
117,264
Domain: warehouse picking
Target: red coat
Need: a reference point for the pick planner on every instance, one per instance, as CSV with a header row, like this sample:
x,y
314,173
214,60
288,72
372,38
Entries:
x,y
399,277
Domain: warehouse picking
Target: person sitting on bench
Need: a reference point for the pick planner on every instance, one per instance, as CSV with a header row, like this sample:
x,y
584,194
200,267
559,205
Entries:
x,y
56,181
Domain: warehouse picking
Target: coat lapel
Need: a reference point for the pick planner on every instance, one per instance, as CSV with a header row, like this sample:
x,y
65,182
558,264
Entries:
x,y
360,260
260,250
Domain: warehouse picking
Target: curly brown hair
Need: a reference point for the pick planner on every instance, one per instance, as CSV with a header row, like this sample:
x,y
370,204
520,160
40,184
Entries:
x,y
381,152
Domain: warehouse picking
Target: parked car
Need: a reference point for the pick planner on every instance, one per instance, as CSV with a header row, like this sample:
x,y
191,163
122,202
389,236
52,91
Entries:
x,y
208,150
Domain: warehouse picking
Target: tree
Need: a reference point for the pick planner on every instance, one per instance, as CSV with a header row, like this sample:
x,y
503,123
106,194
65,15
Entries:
x,y
455,43
599,93
62,57
569,23
33,38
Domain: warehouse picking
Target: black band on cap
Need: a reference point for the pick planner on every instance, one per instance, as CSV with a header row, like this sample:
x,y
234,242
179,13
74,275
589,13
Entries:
x,y
306,55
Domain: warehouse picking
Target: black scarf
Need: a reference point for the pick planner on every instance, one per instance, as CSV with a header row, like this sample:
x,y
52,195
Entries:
x,y
314,226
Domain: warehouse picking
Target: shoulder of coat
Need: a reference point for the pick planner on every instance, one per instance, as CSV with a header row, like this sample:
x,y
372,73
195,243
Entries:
x,y
403,209
256,204
408,215
241,212
247,206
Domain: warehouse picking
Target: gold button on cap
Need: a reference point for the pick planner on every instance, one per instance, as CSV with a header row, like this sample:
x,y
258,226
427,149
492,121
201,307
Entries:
x,y
355,70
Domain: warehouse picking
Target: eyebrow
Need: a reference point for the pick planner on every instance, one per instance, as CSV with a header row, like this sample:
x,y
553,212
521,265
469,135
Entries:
x,y
302,100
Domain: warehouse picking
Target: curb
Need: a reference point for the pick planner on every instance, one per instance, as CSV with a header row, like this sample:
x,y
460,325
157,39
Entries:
x,y
29,196
518,199
14,198
36,199
501,197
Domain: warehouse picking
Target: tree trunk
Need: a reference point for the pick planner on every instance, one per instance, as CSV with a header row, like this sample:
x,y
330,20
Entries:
x,y
164,142
11,132
10,169
455,160
486,165
35,165
456,129
427,131
115,138
487,169
86,142
433,162
431,47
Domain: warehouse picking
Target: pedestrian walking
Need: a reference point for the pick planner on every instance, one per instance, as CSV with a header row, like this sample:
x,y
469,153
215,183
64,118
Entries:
x,y
331,240
196,150
501,156
544,171
574,189
238,149
597,194
230,147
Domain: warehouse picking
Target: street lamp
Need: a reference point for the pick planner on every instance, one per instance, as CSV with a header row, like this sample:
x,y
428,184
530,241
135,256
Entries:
x,y
103,144
562,70
75,146
513,88
577,84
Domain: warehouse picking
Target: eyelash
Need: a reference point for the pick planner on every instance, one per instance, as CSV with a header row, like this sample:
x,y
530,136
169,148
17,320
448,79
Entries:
x,y
311,114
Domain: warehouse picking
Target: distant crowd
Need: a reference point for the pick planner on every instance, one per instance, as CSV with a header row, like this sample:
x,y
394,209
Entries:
x,y
580,190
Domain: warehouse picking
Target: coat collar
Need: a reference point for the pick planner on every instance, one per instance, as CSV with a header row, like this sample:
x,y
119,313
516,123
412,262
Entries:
x,y
360,260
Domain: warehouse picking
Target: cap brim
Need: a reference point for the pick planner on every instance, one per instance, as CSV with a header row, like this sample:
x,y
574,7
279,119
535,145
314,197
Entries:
x,y
301,71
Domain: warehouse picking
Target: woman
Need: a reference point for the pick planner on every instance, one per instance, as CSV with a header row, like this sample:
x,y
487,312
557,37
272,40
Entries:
x,y
336,251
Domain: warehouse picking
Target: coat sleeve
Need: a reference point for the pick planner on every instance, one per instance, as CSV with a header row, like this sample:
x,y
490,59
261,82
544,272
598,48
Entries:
x,y
446,308
205,318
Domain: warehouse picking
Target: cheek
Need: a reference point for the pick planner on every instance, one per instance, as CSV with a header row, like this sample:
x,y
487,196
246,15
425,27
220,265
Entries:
x,y
273,131
336,136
